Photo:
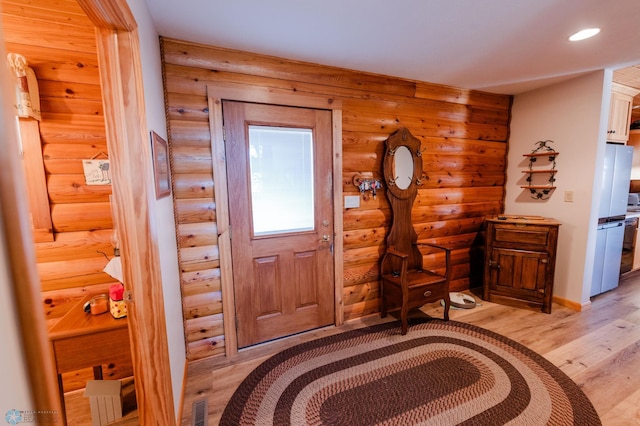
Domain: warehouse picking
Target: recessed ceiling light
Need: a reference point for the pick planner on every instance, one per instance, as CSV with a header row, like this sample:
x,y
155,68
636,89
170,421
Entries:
x,y
581,35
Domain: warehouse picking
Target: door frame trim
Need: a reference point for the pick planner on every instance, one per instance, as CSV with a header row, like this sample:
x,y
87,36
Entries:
x,y
133,207
216,93
120,64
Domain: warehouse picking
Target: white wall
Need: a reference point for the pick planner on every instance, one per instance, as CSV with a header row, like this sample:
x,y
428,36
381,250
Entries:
x,y
154,104
574,115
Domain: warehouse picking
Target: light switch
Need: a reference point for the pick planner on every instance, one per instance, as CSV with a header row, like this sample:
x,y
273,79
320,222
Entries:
x,y
568,196
351,201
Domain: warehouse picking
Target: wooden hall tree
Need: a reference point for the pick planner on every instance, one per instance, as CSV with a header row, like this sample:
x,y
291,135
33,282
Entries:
x,y
405,283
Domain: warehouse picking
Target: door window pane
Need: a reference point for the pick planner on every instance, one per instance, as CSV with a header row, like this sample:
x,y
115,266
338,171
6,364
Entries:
x,y
281,167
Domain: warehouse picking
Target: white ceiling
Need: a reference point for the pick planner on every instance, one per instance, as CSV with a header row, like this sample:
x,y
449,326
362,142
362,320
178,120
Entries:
x,y
501,46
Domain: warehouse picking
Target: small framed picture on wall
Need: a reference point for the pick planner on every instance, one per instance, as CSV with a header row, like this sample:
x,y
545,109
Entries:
x,y
161,170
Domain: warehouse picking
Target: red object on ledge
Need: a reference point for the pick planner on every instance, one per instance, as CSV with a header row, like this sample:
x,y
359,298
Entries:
x,y
117,305
116,292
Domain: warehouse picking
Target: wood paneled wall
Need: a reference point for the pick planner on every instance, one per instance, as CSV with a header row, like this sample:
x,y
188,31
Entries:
x,y
464,137
58,41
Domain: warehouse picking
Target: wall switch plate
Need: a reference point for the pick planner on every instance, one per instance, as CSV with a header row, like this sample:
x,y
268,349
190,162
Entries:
x,y
351,201
568,196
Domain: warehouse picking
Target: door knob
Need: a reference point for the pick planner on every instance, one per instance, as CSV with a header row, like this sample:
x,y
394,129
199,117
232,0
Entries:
x,y
326,237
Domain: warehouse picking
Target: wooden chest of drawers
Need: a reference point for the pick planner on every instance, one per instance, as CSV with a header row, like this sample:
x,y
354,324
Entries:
x,y
520,261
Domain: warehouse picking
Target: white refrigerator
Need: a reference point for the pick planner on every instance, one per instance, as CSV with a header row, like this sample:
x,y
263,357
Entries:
x,y
613,208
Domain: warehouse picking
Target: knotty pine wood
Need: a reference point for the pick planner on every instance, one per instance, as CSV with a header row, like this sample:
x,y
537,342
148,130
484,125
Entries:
x,y
75,245
86,272
191,160
58,64
203,304
65,128
63,11
58,41
463,135
19,269
597,348
37,182
73,217
197,234
72,38
193,185
212,58
205,256
71,90
71,188
58,302
195,210
202,288
203,328
191,133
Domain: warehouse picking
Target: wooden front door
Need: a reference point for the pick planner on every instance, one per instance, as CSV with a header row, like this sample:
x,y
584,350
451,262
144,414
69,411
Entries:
x,y
281,217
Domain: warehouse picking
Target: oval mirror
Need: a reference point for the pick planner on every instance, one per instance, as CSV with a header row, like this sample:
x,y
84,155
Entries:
x,y
403,167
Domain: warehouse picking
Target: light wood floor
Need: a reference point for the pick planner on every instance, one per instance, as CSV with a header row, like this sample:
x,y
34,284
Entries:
x,y
598,348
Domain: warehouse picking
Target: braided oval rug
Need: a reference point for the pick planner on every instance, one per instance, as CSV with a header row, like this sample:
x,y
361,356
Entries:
x,y
439,373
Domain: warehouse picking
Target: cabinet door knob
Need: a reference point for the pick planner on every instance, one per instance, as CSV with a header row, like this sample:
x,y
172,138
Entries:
x,y
544,260
493,264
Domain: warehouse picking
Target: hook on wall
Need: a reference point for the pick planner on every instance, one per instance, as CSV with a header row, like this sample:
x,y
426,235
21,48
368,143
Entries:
x,y
366,185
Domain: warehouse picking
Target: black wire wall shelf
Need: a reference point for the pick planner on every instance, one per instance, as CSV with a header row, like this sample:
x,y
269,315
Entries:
x,y
541,192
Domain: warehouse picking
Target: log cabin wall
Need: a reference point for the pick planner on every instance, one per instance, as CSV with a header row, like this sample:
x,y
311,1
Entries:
x,y
464,137
58,41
